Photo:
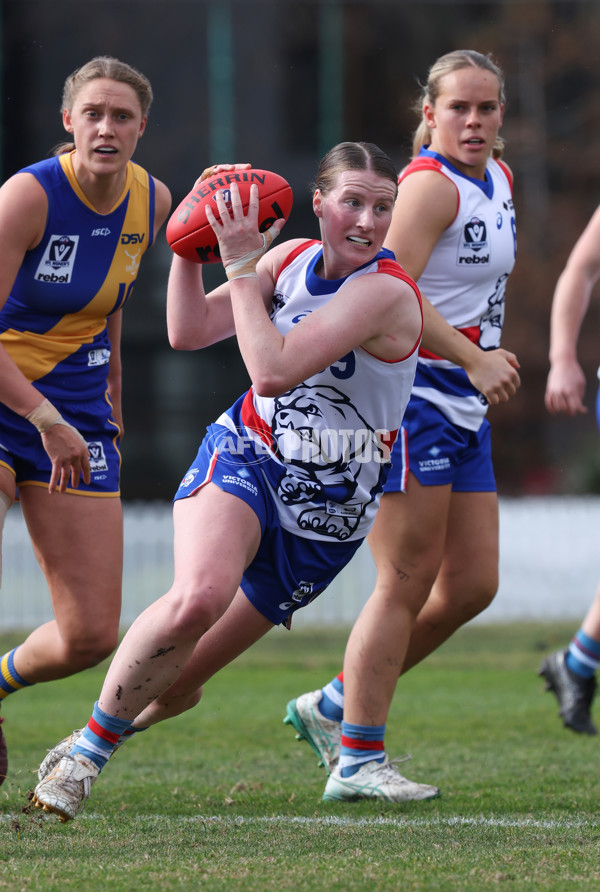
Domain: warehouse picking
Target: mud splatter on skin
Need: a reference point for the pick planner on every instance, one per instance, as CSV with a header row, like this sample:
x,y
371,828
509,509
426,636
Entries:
x,y
162,651
119,692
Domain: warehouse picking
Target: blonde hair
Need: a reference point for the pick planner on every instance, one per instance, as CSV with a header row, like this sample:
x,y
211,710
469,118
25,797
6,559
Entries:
x,y
115,70
454,61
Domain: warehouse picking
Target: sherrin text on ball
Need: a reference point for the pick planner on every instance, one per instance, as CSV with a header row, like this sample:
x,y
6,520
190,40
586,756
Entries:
x,y
189,233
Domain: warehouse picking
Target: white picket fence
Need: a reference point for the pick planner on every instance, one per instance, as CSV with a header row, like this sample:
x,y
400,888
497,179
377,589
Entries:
x,y
549,566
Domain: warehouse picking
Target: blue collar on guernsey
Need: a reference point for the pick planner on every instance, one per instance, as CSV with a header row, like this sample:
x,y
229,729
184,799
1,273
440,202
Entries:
x,y
486,186
317,285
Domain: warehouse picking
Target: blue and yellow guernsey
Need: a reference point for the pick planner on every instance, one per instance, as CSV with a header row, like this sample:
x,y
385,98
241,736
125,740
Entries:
x,y
54,323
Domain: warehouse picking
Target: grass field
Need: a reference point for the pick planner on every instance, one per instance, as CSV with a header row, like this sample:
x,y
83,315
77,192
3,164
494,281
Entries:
x,y
224,798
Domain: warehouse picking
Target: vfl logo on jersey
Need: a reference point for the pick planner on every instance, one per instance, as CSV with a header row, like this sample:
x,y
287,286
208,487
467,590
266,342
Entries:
x,y
98,357
474,240
56,266
97,456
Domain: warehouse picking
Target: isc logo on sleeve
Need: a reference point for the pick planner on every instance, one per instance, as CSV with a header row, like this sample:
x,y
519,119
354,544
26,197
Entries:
x,y
56,265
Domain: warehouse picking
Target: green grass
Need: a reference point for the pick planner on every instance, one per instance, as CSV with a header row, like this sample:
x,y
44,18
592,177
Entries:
x,y
225,798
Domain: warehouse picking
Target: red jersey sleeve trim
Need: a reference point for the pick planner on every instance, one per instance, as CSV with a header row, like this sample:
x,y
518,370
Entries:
x,y
295,253
425,163
507,173
473,333
393,268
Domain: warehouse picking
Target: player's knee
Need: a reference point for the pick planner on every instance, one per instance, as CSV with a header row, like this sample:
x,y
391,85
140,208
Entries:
x,y
483,598
475,600
194,610
85,652
186,701
404,585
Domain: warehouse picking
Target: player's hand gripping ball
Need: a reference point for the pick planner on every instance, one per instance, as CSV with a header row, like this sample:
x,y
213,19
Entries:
x,y
189,233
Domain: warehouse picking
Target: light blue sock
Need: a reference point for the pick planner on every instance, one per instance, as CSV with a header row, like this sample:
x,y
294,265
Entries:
x,y
100,736
583,657
360,744
332,701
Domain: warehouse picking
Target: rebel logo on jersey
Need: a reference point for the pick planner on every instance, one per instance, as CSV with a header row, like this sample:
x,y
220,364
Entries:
x,y
474,239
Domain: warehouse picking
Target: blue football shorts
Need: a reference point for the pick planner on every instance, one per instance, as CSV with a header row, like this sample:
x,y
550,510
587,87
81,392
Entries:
x,y
439,452
288,571
22,452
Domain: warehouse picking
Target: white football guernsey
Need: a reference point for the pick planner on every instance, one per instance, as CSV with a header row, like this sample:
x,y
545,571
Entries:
x,y
465,280
324,446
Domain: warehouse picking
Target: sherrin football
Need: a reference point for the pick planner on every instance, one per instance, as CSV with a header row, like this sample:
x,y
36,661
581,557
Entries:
x,y
189,233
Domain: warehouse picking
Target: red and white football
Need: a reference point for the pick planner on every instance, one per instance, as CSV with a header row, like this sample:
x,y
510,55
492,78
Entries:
x,y
189,233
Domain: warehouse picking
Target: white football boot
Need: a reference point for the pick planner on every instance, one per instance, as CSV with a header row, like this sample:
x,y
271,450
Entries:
x,y
377,780
66,789
323,734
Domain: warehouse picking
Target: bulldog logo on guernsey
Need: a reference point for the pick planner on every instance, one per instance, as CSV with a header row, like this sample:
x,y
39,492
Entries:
x,y
56,265
474,240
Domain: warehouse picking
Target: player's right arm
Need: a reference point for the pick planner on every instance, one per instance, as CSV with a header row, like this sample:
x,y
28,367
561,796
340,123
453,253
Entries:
x,y
425,207
565,388
196,319
23,212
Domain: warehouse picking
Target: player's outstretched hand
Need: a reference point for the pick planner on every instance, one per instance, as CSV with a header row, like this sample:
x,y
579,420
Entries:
x,y
495,374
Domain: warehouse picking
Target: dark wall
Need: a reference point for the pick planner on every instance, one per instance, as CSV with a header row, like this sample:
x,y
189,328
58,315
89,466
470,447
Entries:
x,y
276,82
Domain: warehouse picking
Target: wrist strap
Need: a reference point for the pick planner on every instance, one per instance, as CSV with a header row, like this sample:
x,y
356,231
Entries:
x,y
44,416
245,267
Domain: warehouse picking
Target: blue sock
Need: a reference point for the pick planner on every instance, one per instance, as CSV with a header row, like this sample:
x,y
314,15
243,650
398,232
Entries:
x,y
131,731
360,744
332,701
583,657
100,736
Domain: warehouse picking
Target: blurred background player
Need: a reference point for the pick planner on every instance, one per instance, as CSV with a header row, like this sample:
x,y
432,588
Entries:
x,y
65,276
329,333
571,673
435,538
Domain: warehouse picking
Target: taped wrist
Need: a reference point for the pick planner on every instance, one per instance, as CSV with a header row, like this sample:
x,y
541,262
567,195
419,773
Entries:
x,y
245,267
44,416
